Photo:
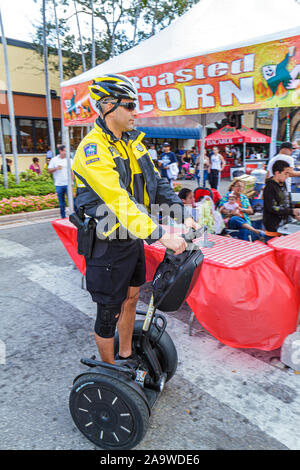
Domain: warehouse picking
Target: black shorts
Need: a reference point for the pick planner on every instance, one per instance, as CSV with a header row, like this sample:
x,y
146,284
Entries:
x,y
114,266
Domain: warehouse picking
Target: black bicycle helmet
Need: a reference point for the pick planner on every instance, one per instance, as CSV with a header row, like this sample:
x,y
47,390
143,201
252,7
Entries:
x,y
114,86
175,278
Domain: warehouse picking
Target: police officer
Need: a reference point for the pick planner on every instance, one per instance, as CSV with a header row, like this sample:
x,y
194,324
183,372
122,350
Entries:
x,y
117,183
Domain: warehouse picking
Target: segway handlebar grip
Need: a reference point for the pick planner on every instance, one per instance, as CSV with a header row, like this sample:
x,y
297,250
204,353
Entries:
x,y
191,235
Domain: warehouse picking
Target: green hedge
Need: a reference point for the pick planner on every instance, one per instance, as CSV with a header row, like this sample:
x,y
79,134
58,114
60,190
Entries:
x,y
30,184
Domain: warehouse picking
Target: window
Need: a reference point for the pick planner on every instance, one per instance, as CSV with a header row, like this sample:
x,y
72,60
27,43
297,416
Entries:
x,y
26,135
32,135
57,131
41,136
76,136
6,135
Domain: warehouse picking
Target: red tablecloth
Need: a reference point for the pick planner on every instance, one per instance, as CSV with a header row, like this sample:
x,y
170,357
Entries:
x,y
242,297
287,252
67,233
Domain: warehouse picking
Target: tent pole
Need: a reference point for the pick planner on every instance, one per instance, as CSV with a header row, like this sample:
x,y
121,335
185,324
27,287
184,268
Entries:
x,y
69,168
203,135
244,154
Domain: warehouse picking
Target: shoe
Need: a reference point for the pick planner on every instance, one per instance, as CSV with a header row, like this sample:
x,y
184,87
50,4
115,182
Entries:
x,y
132,361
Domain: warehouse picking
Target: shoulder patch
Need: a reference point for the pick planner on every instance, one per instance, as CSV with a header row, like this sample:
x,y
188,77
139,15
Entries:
x,y
90,149
93,160
140,147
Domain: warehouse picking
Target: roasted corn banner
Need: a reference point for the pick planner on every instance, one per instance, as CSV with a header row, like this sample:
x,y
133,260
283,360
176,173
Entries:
x,y
258,76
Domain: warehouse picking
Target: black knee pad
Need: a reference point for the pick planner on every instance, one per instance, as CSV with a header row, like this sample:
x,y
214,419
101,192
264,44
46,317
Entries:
x,y
106,321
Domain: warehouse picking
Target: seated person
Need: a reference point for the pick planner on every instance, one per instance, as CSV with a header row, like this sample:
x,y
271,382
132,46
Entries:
x,y
203,212
277,201
240,222
231,207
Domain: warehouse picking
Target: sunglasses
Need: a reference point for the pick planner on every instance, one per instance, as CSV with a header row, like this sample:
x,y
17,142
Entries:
x,y
131,105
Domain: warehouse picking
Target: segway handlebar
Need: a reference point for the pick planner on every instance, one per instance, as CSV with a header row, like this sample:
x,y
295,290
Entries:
x,y
191,235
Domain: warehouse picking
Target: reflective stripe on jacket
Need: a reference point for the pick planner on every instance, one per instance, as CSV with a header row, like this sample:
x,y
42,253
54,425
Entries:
x,y
117,177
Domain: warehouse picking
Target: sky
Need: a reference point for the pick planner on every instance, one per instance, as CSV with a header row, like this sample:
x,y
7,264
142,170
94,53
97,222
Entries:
x,y
17,18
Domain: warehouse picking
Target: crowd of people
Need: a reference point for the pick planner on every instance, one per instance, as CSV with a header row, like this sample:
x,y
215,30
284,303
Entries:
x,y
185,164
230,215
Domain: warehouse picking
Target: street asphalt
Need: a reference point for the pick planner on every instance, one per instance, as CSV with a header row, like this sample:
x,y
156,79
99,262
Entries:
x,y
220,398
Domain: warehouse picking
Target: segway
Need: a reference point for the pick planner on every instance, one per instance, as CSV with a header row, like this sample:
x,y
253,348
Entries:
x,y
111,404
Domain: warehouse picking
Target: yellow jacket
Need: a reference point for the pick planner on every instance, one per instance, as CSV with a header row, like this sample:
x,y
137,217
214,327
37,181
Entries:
x,y
117,179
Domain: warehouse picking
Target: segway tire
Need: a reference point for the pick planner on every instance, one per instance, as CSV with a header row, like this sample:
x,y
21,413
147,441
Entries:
x,y
108,412
164,348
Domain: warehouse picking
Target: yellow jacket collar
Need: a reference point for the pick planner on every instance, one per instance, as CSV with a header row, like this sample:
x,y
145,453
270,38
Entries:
x,y
134,135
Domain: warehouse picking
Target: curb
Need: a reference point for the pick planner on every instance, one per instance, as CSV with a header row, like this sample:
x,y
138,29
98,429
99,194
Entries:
x,y
23,216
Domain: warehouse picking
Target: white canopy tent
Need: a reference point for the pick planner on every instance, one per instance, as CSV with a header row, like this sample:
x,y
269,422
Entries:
x,y
209,27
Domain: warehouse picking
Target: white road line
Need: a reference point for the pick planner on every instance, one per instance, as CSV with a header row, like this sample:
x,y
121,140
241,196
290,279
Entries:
x,y
10,249
245,384
248,385
65,282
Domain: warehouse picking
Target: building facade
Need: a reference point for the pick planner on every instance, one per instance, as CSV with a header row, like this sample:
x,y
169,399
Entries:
x,y
27,77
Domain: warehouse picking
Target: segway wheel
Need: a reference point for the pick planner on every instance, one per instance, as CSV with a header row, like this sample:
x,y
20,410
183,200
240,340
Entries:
x,y
108,412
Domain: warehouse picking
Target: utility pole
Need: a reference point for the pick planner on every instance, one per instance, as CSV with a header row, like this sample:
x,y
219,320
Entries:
x,y
11,110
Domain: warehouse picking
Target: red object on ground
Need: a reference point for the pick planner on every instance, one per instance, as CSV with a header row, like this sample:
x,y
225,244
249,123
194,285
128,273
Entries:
x,y
287,252
241,297
230,135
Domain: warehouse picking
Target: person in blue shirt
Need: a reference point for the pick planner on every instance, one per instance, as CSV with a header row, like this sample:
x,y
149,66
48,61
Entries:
x,y
166,163
194,155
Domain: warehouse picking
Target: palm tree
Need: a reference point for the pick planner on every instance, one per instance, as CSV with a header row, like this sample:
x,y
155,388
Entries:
x,y
2,149
136,17
93,36
61,72
80,37
10,106
48,98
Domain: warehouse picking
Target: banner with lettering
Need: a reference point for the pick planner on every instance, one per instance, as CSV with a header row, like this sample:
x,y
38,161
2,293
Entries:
x,y
259,76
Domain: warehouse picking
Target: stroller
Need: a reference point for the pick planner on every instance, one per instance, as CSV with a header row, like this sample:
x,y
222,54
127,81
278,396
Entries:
x,y
188,171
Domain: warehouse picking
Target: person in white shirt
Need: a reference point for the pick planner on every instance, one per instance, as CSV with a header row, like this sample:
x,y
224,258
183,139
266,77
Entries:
x,y
153,154
58,168
285,154
217,164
